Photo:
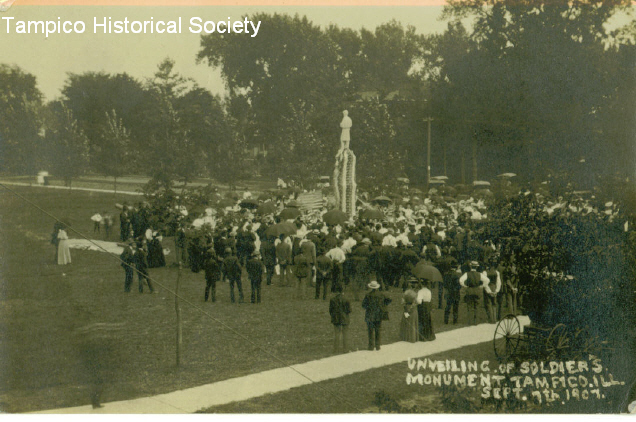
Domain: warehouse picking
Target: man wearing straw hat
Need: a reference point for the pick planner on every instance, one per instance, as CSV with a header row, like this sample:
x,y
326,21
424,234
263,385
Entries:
x,y
375,303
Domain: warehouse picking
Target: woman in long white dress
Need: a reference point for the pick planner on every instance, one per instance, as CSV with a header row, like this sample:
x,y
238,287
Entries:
x,y
63,251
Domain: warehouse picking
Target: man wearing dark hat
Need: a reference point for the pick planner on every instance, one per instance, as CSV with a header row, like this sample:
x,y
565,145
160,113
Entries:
x,y
452,288
254,268
232,270
375,303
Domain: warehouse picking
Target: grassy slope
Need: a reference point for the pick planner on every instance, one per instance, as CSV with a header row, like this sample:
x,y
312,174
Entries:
x,y
43,303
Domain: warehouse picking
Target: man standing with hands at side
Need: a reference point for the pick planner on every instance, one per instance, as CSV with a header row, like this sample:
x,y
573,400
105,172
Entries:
x,y
375,303
339,309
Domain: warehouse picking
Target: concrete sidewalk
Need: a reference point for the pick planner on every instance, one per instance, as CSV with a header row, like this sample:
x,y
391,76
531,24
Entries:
x,y
237,389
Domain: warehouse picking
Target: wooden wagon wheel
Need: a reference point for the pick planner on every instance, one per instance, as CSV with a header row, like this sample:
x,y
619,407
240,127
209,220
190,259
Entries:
x,y
507,335
558,342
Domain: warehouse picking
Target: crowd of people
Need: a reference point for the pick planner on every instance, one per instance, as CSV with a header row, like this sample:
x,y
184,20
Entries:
x,y
477,264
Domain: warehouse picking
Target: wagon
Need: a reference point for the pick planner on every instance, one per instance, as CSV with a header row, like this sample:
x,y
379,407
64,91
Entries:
x,y
548,342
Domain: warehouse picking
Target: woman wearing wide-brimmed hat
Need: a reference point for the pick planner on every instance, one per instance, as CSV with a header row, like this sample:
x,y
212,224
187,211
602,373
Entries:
x,y
375,303
409,330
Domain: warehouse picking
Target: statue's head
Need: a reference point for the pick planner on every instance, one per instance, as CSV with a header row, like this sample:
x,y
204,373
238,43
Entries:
x,y
345,113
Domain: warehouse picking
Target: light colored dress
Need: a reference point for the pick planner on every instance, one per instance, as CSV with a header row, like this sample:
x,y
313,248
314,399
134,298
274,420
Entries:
x,y
63,251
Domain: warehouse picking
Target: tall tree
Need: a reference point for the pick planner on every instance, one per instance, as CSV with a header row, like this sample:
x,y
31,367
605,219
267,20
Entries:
x,y
91,96
67,144
170,153
20,124
114,152
533,78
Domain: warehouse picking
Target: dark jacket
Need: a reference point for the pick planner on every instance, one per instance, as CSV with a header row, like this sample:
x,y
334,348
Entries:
x,y
324,265
141,260
212,268
268,252
375,304
339,309
254,269
231,267
303,266
284,253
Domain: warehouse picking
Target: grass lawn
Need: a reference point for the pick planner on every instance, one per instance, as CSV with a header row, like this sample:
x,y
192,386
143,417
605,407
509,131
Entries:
x,y
42,305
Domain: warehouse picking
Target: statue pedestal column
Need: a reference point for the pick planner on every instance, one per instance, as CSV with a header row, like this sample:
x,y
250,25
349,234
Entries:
x,y
344,174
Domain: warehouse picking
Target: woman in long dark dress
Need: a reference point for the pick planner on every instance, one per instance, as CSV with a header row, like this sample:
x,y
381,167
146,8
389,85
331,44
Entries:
x,y
156,258
409,326
424,313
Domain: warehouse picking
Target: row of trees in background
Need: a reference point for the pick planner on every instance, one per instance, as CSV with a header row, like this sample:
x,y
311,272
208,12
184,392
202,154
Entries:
x,y
530,88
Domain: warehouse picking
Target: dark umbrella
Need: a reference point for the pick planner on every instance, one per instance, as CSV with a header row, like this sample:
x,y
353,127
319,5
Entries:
x,y
249,203
293,189
335,217
227,202
448,190
233,195
372,214
293,204
289,213
264,196
266,208
382,200
281,228
426,271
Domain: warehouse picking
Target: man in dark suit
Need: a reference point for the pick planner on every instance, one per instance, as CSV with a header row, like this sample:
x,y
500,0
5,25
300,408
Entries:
x,y
268,254
375,304
339,309
212,269
124,224
141,265
324,273
254,268
232,270
451,273
127,258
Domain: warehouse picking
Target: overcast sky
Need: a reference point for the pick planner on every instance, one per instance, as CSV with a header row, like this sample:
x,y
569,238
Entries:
x,y
49,59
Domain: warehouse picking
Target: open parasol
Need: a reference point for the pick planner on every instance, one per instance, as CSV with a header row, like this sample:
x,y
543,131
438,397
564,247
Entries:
x,y
372,214
382,200
289,213
249,203
335,217
266,208
281,228
426,271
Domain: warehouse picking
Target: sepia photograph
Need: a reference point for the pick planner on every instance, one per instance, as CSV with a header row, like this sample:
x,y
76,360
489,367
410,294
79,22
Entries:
x,y
318,207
